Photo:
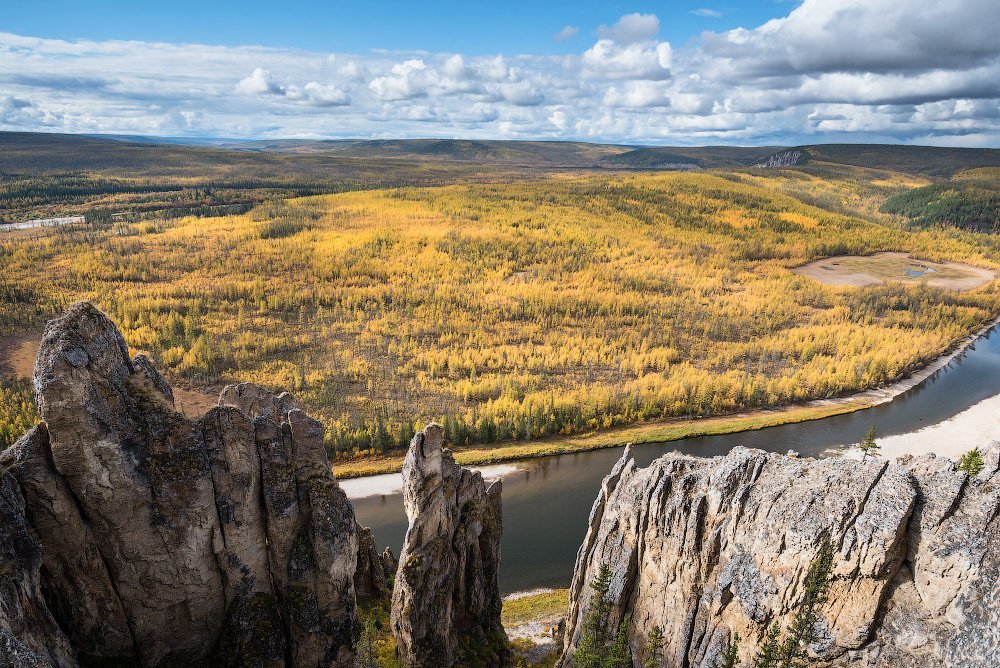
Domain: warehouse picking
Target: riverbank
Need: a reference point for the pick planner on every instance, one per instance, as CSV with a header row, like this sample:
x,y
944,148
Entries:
x,y
649,432
677,428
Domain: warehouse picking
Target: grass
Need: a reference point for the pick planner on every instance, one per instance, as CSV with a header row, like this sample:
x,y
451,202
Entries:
x,y
545,604
652,432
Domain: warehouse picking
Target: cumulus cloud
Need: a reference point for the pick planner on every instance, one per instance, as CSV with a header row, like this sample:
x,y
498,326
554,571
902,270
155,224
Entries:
x,y
324,95
259,83
864,36
924,72
405,81
644,60
632,28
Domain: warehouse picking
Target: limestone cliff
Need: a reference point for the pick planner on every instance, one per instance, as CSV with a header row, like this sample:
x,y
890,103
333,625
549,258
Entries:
x,y
784,159
446,600
711,549
134,536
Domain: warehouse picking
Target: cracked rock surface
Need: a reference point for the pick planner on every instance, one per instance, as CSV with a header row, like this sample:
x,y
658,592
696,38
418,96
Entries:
x,y
446,599
710,549
160,541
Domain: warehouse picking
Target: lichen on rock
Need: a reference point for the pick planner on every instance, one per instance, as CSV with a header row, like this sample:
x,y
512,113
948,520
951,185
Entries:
x,y
712,549
446,601
163,541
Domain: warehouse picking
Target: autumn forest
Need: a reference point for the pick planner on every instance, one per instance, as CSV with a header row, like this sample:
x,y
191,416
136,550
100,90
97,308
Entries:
x,y
566,300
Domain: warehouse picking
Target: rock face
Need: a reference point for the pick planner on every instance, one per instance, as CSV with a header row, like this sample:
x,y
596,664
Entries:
x,y
779,160
29,635
446,598
709,549
371,578
160,541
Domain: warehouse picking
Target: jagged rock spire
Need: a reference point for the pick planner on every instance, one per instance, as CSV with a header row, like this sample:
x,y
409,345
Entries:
x,y
446,597
163,541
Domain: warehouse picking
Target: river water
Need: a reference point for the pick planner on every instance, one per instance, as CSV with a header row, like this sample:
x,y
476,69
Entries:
x,y
546,501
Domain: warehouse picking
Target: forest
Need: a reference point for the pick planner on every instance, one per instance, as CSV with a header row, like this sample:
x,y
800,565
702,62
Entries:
x,y
557,302
970,201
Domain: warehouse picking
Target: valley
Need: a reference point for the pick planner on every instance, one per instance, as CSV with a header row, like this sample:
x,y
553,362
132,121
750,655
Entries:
x,y
551,306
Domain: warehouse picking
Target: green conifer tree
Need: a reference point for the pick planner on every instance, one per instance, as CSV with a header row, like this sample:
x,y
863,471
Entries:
x,y
654,648
365,654
972,462
619,655
869,446
770,652
731,657
592,650
802,632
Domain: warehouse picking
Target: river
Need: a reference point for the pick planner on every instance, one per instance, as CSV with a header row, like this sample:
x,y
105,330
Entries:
x,y
546,501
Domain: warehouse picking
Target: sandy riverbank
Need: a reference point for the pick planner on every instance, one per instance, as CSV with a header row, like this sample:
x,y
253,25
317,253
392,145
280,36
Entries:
x,y
974,427
391,483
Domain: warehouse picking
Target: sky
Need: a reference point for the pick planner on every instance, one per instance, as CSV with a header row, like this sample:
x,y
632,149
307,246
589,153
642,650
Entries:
x,y
681,73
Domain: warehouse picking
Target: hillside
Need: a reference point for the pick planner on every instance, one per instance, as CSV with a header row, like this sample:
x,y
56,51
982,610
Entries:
x,y
136,178
551,304
928,161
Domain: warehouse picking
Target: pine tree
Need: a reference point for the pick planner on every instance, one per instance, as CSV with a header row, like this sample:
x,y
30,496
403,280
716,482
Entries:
x,y
730,658
972,462
770,652
366,656
802,632
869,446
592,650
620,654
654,648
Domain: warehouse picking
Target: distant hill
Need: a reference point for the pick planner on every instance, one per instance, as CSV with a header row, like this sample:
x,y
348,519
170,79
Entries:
x,y
702,157
55,151
47,175
527,153
970,200
929,161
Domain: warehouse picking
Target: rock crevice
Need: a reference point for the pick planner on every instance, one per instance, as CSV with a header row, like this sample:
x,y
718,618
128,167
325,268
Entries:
x,y
140,537
446,599
712,549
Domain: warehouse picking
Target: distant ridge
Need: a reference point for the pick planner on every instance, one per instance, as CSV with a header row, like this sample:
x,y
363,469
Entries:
x,y
42,151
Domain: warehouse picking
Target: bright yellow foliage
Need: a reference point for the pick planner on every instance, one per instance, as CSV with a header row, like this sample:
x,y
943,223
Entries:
x,y
515,310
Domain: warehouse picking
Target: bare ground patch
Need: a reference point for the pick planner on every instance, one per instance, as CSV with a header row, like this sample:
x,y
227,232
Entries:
x,y
857,271
17,357
17,354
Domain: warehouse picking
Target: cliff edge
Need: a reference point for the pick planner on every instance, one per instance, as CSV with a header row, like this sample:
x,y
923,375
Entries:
x,y
714,549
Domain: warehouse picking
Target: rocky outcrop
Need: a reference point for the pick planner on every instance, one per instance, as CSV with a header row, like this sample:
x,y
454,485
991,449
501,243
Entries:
x,y
711,549
785,159
139,537
29,635
370,579
446,599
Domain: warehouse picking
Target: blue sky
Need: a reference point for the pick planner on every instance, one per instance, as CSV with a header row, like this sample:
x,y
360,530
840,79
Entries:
x,y
474,28
919,72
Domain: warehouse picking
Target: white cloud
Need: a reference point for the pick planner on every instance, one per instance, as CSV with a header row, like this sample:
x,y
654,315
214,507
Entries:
x,y
405,81
709,13
325,95
259,83
632,28
566,34
610,60
920,72
637,94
